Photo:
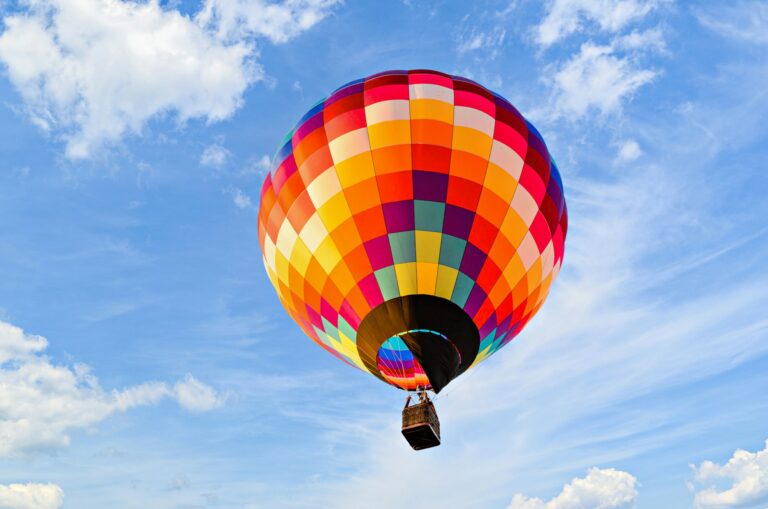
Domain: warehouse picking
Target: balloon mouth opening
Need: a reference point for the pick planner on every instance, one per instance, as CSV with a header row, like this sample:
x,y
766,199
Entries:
x,y
398,364
417,341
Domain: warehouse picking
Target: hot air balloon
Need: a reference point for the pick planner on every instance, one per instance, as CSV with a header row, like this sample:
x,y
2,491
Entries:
x,y
412,224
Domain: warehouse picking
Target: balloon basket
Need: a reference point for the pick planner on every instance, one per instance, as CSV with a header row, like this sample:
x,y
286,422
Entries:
x,y
421,427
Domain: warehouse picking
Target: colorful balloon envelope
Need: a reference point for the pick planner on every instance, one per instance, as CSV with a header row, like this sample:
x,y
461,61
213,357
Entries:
x,y
412,224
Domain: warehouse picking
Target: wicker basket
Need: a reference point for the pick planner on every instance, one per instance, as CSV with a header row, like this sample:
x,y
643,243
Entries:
x,y
421,427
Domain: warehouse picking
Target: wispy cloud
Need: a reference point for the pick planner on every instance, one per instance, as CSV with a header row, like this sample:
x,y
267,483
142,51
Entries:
x,y
279,22
489,41
258,166
215,156
597,78
565,17
601,76
239,198
651,40
741,21
109,310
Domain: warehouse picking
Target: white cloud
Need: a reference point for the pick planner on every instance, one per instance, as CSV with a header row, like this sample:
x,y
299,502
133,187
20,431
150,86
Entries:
x,y
41,402
264,164
214,156
147,393
93,71
597,78
279,22
109,310
14,344
194,395
744,21
31,496
629,150
642,41
565,17
746,473
489,41
241,200
600,489
258,167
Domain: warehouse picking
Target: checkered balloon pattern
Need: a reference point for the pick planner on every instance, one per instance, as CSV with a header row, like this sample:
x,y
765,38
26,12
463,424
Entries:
x,y
412,182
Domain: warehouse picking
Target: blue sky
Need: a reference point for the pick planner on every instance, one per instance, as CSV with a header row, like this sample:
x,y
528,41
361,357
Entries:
x,y
134,138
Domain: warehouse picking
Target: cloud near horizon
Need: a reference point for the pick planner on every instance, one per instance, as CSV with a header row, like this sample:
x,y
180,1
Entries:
x,y
600,489
741,482
42,402
31,496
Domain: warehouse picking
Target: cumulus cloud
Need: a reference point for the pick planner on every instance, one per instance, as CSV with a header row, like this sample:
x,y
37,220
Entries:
x,y
597,78
746,474
14,344
600,489
31,496
565,17
41,402
93,71
214,156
